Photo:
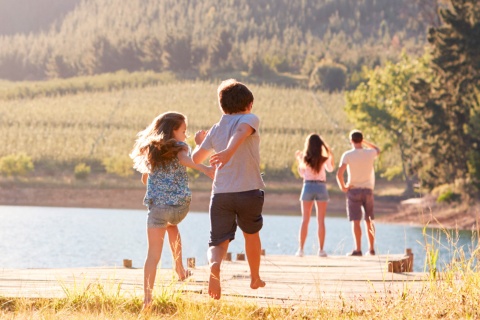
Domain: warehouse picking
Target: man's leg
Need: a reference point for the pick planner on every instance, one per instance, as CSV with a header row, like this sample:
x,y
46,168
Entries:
x,y
215,256
253,249
370,227
357,234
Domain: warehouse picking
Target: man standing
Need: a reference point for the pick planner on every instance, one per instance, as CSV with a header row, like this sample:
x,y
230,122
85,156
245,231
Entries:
x,y
359,189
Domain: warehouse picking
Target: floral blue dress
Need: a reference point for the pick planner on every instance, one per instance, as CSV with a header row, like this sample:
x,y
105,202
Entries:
x,y
168,185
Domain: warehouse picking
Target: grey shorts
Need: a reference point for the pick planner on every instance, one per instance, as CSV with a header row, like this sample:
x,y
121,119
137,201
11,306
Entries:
x,y
159,216
358,199
314,190
227,210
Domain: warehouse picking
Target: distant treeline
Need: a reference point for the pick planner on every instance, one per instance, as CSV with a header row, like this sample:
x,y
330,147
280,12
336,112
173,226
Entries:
x,y
208,37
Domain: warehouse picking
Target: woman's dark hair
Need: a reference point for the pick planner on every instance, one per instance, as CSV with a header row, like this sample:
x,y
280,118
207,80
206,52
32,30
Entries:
x,y
313,152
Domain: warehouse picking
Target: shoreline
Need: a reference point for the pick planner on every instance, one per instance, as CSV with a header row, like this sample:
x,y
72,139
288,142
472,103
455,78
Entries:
x,y
417,213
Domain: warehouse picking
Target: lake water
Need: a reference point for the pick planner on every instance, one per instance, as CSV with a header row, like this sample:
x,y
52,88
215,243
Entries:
x,y
47,237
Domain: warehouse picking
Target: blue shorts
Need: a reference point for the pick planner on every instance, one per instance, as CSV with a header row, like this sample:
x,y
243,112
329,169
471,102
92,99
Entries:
x,y
160,216
227,210
314,191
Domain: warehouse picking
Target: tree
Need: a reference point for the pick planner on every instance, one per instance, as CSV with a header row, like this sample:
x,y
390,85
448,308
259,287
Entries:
x,y
447,138
381,105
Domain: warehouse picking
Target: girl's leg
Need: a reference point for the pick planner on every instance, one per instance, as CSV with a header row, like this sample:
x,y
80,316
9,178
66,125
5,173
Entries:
x,y
155,244
306,212
176,246
321,211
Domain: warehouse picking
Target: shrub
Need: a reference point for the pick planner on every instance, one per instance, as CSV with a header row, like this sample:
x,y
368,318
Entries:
x,y
82,171
120,166
448,197
328,76
16,165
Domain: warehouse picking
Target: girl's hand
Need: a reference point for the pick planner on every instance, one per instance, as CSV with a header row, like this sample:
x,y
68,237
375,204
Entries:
x,y
200,136
209,172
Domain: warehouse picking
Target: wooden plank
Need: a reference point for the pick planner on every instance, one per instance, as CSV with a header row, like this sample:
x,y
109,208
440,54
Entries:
x,y
289,280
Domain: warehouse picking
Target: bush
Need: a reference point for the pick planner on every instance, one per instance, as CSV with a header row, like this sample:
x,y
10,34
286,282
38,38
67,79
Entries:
x,y
122,167
328,76
82,171
448,197
16,165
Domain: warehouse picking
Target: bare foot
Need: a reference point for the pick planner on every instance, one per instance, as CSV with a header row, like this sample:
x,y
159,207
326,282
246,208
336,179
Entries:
x,y
214,288
186,274
147,306
257,283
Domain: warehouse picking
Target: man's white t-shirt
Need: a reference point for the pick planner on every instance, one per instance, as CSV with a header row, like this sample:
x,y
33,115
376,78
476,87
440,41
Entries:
x,y
360,168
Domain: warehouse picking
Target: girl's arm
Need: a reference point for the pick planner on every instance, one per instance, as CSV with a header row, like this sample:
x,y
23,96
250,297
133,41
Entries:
x,y
330,163
144,178
300,166
186,161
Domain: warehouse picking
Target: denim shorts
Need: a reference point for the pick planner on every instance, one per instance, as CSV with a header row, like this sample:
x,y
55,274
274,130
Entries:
x,y
227,210
160,216
314,190
358,199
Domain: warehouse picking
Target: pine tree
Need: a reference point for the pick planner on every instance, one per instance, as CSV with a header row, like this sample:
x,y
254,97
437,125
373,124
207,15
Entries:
x,y
446,138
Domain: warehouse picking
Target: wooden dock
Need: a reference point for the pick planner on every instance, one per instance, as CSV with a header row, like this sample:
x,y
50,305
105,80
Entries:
x,y
290,280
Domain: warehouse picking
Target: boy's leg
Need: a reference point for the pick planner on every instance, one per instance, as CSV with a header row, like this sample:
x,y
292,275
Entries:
x,y
176,246
253,249
155,238
215,255
306,213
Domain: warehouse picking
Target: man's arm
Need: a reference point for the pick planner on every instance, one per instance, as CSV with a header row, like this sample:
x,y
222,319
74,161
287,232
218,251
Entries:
x,y
340,178
221,158
371,145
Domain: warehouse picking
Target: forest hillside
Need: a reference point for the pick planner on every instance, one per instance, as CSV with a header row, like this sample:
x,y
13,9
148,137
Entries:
x,y
60,39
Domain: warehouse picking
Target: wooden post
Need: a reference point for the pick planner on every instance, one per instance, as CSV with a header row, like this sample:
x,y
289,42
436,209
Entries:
x,y
263,252
228,256
409,253
240,256
191,263
127,263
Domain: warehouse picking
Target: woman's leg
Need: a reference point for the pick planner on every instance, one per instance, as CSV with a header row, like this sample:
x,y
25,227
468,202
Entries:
x,y
306,212
176,246
155,244
321,211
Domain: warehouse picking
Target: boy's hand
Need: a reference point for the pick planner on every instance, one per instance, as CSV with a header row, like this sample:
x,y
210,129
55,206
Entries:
x,y
200,136
220,159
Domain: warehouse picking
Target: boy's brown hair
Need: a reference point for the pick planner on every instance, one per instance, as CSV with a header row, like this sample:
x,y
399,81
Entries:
x,y
234,96
356,136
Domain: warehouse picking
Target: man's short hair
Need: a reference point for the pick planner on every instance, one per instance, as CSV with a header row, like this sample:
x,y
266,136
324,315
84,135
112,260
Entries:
x,y
356,136
234,96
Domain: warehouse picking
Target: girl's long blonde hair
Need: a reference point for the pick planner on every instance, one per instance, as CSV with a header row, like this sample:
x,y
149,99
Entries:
x,y
313,152
156,146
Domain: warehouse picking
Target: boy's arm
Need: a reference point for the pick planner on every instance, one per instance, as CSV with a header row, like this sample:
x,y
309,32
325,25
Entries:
x,y
221,158
371,145
186,161
199,154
